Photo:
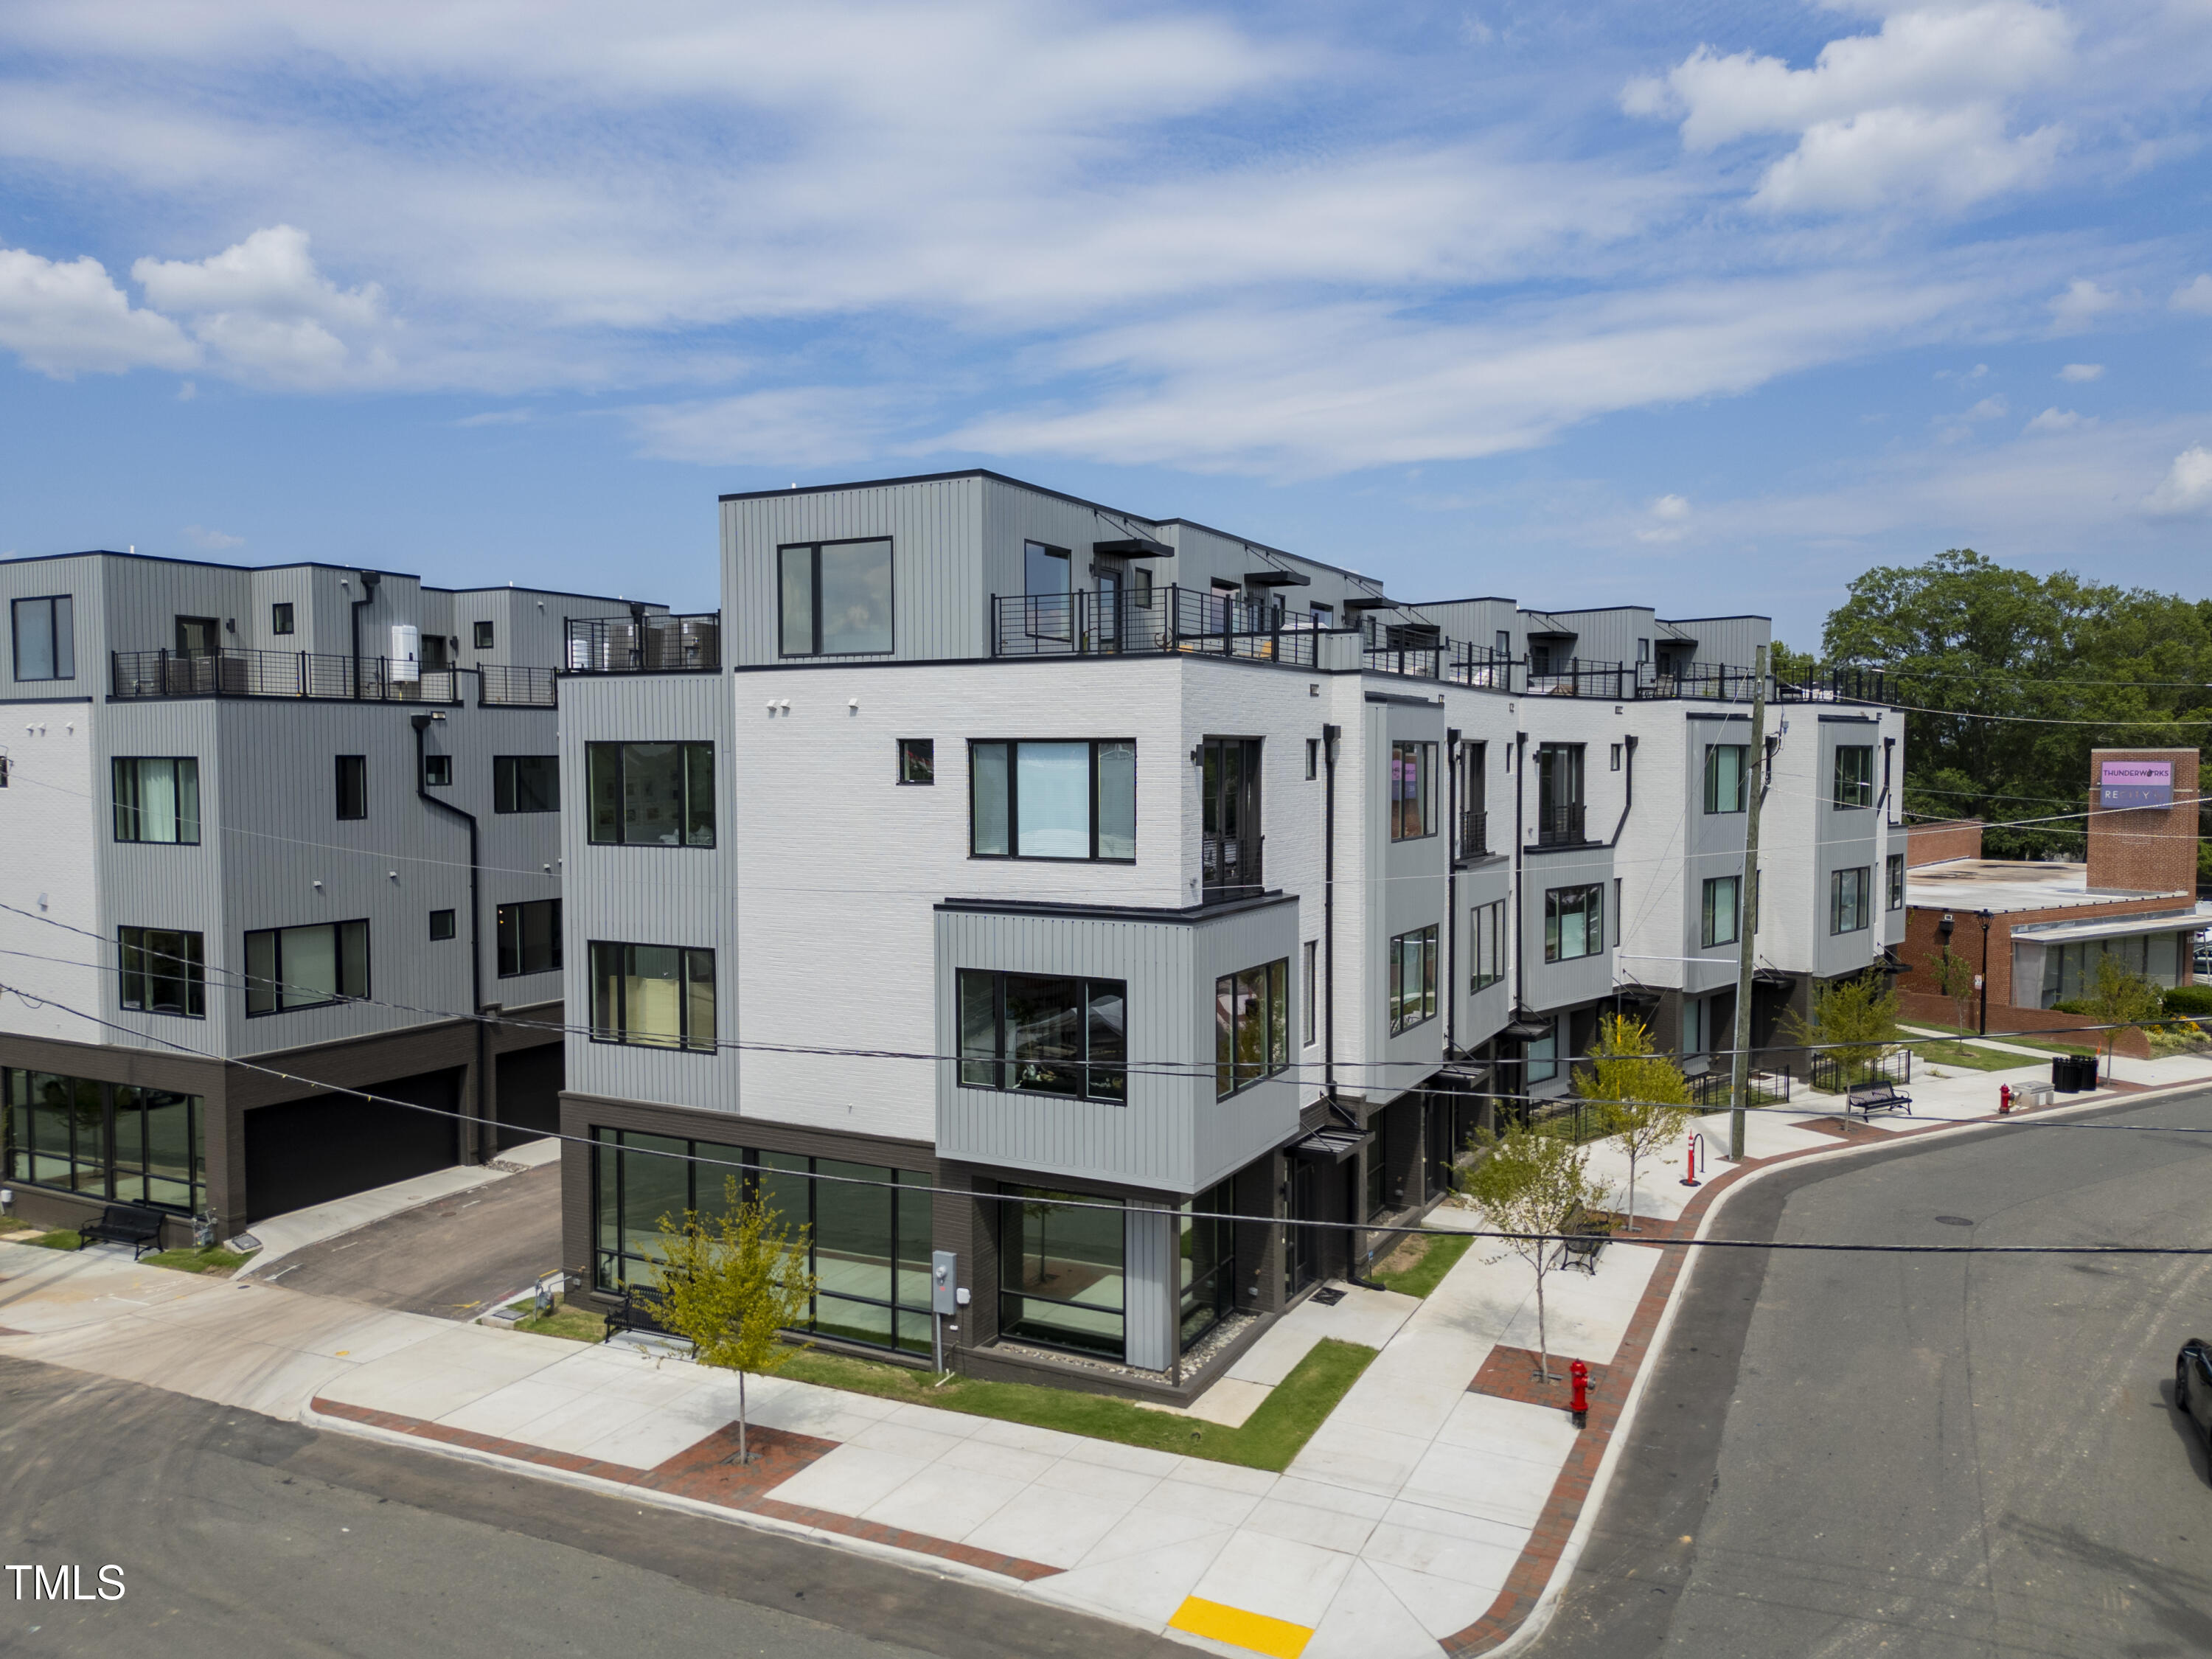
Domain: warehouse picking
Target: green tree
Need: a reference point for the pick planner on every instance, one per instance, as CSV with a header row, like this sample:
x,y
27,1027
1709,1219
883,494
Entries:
x,y
1790,667
1954,976
731,1284
1532,1184
1640,1094
2123,1001
1854,1022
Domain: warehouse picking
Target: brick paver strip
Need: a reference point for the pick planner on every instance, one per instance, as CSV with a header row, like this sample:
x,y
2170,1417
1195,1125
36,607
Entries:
x,y
702,1471
1524,1585
1511,1374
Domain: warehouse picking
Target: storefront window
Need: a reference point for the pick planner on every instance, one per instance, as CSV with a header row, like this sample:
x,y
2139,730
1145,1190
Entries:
x,y
145,1147
1060,1268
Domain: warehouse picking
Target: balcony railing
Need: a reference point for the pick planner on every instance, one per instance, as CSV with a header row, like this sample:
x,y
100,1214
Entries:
x,y
1475,835
1484,667
235,672
644,645
1166,620
501,687
1229,865
1559,826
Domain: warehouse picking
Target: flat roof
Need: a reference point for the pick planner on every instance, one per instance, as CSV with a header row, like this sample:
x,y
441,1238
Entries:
x,y
2060,933
2005,885
309,564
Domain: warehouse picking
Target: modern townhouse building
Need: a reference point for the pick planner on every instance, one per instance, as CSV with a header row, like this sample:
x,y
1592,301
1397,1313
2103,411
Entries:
x,y
265,833
1031,881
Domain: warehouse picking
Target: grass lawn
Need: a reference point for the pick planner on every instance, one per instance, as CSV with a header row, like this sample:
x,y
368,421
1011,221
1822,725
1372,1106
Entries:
x,y
575,1324
1268,1440
64,1240
1419,1266
1965,1057
2018,1039
212,1260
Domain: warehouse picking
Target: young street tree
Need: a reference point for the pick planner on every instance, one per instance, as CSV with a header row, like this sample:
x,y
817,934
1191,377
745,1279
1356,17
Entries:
x,y
2124,1001
1531,1182
1639,1094
729,1284
1954,978
1855,1021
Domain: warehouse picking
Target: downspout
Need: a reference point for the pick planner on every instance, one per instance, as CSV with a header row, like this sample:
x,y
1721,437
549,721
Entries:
x,y
1329,734
1451,896
369,579
1520,908
472,1124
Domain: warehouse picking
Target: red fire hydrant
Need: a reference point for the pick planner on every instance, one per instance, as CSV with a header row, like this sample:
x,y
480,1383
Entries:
x,y
2004,1098
1580,1405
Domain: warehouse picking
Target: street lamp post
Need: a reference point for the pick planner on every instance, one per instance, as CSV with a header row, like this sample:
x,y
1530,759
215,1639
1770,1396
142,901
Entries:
x,y
1982,1025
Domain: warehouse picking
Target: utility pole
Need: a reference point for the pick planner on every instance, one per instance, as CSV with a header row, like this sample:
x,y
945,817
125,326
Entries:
x,y
1747,911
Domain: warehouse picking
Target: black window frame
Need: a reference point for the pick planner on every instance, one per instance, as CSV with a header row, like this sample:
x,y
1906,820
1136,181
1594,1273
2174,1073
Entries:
x,y
911,750
1893,877
507,775
282,617
516,951
1555,908
60,626
190,959
437,771
1232,1075
1708,936
1859,788
813,550
449,920
595,754
352,775
341,932
1837,909
131,815
95,1142
483,634
1423,755
687,1041
1013,746
1414,944
1477,942
1712,790
1104,1080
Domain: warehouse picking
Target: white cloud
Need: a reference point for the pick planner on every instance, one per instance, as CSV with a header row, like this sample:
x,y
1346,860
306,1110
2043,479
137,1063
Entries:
x,y
211,541
66,319
1955,158
1990,408
1672,512
2187,487
2195,295
496,417
2080,304
2057,420
2082,372
186,391
266,310
796,426
1671,507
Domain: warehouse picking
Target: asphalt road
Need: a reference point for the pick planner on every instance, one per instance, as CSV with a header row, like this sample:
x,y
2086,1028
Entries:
x,y
451,1257
1947,1456
241,1535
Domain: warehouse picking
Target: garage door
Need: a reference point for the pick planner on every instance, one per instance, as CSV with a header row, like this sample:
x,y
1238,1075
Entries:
x,y
310,1151
529,1103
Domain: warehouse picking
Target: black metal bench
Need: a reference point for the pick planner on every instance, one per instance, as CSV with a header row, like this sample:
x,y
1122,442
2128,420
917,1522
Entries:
x,y
638,1310
124,1223
1587,1235
1867,1098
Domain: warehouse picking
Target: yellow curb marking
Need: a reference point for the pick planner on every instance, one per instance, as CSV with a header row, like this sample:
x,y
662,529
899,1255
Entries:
x,y
1277,1638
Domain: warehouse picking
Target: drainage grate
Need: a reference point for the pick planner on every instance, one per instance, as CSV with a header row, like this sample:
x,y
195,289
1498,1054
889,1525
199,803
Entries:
x,y
1329,1295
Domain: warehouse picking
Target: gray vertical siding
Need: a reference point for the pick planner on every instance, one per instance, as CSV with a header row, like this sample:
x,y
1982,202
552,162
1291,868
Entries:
x,y
1150,1286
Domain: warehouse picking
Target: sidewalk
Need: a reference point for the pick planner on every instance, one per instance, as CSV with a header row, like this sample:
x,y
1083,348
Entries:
x,y
1428,1513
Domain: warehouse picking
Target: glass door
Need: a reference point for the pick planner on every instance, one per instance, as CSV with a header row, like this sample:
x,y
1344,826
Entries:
x,y
1110,610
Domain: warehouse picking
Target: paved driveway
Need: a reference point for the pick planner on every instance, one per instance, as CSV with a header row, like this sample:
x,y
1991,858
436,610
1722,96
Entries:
x,y
451,1257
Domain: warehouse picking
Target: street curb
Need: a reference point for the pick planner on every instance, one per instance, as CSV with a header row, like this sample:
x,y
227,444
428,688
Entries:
x,y
1538,1619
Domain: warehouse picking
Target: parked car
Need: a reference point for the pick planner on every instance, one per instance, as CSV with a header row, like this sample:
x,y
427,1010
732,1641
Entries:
x,y
2192,1385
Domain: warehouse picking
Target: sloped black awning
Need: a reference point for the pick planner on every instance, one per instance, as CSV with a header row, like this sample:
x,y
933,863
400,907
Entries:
x,y
1337,1146
1522,1026
1772,976
1133,547
1276,579
1375,603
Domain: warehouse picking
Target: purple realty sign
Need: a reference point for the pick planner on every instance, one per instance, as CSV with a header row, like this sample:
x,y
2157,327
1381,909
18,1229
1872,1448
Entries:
x,y
2135,783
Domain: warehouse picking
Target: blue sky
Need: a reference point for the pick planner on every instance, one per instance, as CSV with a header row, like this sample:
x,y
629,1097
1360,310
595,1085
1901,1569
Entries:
x,y
1706,306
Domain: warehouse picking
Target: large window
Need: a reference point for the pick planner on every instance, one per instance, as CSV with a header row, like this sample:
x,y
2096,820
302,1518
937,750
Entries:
x,y
1412,978
45,639
1061,1270
1251,1026
529,937
836,599
870,1227
157,798
1849,899
2070,971
1854,775
1574,922
1040,1034
1560,798
353,786
1053,800
1540,1056
1723,910
526,783
650,794
654,996
1206,1253
107,1140
1896,873
1724,770
163,971
290,968
1412,791
1486,944
1310,989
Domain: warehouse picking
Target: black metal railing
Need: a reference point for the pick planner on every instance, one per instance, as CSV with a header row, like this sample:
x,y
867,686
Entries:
x,y
1832,1076
1716,1088
499,686
237,671
644,645
1475,834
1484,666
1228,865
1835,685
1559,826
1166,619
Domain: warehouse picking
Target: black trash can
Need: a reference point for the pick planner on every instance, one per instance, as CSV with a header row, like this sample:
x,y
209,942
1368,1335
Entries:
x,y
2064,1073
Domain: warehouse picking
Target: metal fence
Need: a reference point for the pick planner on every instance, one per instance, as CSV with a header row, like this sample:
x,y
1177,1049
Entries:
x,y
236,671
1473,835
499,686
648,644
1716,1088
1832,1077
1169,619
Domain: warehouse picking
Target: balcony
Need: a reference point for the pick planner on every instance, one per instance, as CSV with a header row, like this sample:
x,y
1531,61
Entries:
x,y
1561,826
499,686
644,645
1228,868
234,671
1166,620
1473,835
